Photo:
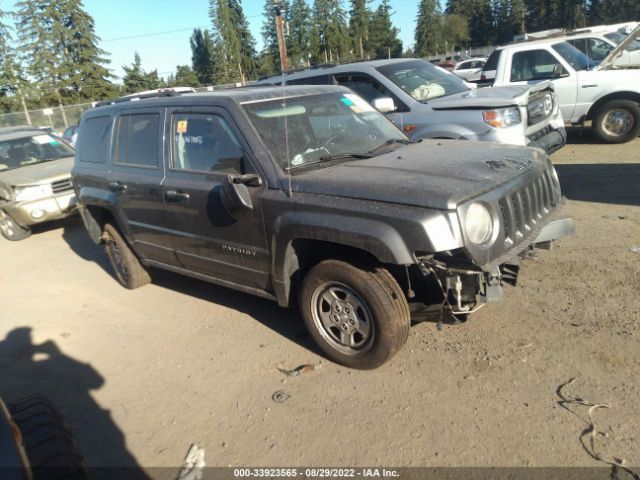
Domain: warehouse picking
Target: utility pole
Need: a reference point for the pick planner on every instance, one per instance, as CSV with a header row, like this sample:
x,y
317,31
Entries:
x,y
282,45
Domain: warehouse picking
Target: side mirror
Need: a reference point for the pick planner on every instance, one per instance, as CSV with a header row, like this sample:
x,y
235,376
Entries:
x,y
236,197
384,104
559,71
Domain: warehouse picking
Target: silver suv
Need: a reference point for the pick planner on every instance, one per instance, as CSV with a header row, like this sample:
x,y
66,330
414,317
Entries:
x,y
426,101
35,180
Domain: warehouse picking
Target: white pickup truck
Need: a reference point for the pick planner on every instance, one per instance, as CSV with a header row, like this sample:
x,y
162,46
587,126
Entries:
x,y
607,94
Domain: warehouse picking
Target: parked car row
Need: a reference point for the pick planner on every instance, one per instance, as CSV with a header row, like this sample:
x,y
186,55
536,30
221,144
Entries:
x,y
331,188
605,91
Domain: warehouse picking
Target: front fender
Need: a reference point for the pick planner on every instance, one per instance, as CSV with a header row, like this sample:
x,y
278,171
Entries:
x,y
372,236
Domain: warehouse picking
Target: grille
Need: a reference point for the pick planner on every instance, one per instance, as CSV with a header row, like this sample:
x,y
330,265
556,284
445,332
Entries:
x,y
523,209
63,185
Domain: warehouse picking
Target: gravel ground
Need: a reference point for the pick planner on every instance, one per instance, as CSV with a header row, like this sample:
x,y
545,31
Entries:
x,y
142,374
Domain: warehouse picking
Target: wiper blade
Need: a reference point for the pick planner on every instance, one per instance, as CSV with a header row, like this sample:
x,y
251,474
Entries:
x,y
334,156
391,141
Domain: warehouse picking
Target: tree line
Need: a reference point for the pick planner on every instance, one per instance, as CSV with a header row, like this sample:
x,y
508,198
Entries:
x,y
49,53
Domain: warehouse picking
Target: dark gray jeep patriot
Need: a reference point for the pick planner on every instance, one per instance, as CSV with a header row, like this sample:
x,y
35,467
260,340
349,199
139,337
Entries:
x,y
307,195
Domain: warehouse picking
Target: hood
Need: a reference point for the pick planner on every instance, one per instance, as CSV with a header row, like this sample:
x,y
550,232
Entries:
x,y
437,174
609,59
45,172
491,97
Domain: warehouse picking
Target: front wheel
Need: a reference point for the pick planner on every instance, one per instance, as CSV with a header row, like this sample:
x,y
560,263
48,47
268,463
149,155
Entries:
x,y
10,229
617,121
358,316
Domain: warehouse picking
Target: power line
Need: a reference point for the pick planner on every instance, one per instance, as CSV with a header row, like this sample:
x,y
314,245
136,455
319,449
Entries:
x,y
165,32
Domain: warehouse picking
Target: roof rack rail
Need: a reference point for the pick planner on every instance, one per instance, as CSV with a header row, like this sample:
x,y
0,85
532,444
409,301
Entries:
x,y
160,92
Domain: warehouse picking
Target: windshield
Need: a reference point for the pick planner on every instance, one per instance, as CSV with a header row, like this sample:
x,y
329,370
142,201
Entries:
x,y
30,150
575,58
617,38
422,80
304,130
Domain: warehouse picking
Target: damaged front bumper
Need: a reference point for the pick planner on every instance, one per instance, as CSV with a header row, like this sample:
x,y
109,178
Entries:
x,y
465,287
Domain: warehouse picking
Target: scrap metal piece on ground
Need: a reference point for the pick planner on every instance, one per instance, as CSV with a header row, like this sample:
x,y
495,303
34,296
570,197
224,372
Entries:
x,y
194,464
299,370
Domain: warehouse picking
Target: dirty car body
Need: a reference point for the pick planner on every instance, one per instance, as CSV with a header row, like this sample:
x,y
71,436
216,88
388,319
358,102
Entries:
x,y
35,180
318,183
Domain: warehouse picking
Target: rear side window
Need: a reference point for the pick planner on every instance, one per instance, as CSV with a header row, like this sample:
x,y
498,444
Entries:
x,y
205,143
95,140
492,61
138,140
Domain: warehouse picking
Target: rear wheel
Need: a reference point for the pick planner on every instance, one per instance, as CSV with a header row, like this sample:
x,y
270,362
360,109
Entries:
x,y
128,269
358,316
617,121
10,229
47,440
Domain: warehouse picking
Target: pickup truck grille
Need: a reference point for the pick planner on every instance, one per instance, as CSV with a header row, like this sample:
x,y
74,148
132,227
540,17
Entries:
x,y
61,186
541,106
523,209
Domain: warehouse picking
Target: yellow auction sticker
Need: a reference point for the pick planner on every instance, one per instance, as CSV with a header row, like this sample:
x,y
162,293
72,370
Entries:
x,y
182,126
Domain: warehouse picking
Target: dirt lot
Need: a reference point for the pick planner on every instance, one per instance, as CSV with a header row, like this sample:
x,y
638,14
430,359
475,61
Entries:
x,y
143,374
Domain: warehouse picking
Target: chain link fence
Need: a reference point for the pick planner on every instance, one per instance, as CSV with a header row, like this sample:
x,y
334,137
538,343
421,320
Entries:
x,y
46,117
53,117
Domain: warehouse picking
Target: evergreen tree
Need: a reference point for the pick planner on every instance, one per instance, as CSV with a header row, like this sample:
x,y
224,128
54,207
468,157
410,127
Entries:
x,y
329,19
428,29
185,76
137,80
202,51
479,16
234,51
383,36
359,19
58,43
300,35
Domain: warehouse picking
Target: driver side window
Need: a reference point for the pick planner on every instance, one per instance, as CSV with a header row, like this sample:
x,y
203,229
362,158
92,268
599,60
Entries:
x,y
535,65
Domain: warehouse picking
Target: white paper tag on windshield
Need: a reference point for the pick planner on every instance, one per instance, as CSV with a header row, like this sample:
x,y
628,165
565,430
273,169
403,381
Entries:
x,y
43,139
359,103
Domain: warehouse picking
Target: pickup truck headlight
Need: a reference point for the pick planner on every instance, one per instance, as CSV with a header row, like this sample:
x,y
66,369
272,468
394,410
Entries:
x,y
32,192
478,224
502,117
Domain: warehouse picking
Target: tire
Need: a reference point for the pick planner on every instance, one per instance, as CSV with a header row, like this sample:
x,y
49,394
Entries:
x,y
11,230
364,307
51,449
617,121
129,272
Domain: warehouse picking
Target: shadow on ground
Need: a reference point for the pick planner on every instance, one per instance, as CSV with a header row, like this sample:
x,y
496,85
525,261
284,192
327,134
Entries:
x,y
286,322
615,183
27,369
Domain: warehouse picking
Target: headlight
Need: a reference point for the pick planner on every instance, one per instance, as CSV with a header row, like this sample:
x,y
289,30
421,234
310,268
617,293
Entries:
x,y
33,192
503,117
478,224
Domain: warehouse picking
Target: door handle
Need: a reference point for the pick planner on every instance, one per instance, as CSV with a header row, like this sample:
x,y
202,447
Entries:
x,y
117,187
174,196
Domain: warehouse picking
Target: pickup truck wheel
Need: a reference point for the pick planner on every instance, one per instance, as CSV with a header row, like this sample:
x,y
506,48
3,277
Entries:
x,y
358,316
128,269
617,121
47,440
10,229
